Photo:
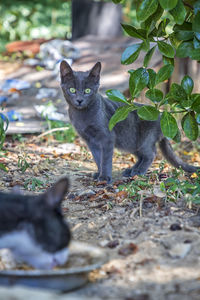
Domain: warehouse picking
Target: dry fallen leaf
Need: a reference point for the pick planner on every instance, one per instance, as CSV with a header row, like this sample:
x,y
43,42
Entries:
x,y
128,249
113,244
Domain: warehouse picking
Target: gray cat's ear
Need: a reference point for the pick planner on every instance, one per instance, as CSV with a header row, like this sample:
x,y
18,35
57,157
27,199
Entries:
x,y
95,72
56,193
65,69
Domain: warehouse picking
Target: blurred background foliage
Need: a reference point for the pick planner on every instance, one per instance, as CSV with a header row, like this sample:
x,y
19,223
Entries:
x,y
26,20
30,19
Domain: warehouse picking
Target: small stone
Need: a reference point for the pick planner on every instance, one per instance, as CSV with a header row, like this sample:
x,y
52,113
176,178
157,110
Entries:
x,y
103,243
180,250
175,226
195,221
129,249
71,196
86,193
113,244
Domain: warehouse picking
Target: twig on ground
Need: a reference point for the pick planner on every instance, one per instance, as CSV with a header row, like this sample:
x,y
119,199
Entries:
x,y
48,132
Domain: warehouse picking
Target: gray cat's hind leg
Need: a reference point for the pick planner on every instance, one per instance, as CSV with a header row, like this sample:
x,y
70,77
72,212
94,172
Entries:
x,y
127,172
145,160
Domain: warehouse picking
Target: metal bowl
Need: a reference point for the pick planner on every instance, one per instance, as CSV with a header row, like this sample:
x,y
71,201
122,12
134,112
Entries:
x,y
63,279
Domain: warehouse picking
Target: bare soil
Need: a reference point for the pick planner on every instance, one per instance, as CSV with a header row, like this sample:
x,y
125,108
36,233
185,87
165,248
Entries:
x,y
152,245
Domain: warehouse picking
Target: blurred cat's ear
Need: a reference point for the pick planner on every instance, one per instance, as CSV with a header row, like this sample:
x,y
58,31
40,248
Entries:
x,y
95,72
65,69
56,193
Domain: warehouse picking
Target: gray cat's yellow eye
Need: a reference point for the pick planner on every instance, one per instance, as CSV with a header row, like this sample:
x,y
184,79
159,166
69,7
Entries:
x,y
87,91
72,90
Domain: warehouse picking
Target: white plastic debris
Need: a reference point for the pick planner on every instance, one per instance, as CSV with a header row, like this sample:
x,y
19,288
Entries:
x,y
46,93
52,52
49,112
180,250
18,84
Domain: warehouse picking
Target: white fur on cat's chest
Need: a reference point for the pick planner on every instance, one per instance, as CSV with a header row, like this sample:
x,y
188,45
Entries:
x,y
24,248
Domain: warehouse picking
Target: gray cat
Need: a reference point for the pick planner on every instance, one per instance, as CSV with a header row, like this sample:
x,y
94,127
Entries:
x,y
90,113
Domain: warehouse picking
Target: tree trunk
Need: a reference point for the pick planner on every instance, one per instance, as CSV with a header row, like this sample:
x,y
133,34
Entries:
x,y
95,18
186,66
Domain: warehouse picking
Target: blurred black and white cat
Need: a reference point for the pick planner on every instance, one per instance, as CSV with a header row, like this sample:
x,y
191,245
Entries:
x,y
33,227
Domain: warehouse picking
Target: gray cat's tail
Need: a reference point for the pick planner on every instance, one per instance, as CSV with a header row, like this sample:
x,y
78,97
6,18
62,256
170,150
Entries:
x,y
173,159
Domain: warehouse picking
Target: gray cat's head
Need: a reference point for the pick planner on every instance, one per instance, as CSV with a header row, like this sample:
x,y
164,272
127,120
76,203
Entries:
x,y
33,227
79,88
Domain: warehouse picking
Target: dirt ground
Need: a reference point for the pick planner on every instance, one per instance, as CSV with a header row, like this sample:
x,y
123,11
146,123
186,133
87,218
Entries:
x,y
152,244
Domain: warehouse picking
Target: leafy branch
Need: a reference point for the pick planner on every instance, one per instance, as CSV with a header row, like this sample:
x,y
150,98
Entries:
x,y
182,40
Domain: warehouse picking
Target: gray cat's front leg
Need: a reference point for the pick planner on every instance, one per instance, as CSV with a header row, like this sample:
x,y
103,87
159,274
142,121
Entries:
x,y
96,153
106,161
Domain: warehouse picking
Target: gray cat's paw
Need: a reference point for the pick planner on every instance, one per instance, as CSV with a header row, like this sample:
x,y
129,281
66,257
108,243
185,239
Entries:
x,y
136,172
130,172
95,175
127,172
105,178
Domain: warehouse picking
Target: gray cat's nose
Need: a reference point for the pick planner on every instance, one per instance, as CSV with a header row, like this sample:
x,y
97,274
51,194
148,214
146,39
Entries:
x,y
79,101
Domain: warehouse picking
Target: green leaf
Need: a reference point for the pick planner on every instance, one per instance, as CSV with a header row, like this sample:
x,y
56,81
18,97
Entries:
x,y
177,92
186,103
187,84
168,125
131,71
169,99
196,43
184,49
196,22
145,45
130,54
195,54
154,95
179,12
196,6
148,56
120,114
148,113
152,78
3,167
177,137
168,61
134,32
146,9
168,4
198,118
163,101
166,49
174,41
190,126
164,73
161,31
197,35
184,35
186,26
115,95
196,105
149,24
138,81
116,1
